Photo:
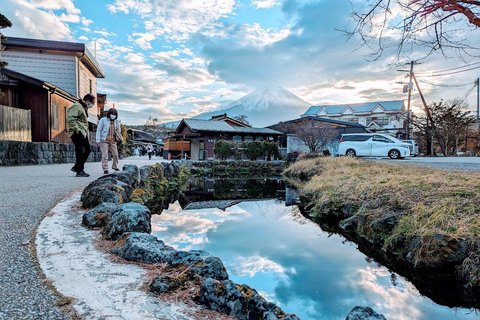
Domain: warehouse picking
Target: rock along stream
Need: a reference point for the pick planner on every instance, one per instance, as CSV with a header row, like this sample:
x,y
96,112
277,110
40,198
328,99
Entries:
x,y
291,261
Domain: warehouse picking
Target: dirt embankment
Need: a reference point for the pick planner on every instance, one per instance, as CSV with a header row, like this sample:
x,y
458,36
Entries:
x,y
423,223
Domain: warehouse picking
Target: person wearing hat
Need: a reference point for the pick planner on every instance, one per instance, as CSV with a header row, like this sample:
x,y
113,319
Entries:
x,y
77,128
108,133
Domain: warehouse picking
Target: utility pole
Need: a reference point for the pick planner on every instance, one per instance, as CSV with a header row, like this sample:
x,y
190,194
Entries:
x,y
478,99
429,116
410,87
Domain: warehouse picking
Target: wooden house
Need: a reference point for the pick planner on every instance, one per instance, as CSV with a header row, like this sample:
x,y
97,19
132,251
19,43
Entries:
x,y
196,138
47,77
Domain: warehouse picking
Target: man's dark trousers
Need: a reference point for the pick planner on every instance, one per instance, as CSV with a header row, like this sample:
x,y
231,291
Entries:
x,y
82,150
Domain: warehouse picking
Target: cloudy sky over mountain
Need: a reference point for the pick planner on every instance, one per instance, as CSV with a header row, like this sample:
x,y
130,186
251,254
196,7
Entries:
x,y
170,59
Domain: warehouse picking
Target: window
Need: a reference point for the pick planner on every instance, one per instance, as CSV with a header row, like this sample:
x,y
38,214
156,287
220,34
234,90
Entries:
x,y
354,137
248,138
379,120
90,84
352,120
259,138
237,138
378,138
54,121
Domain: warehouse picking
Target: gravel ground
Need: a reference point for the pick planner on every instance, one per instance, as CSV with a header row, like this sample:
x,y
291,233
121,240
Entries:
x,y
26,193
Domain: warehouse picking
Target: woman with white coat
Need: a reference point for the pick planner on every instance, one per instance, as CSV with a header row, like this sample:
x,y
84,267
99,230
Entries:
x,y
108,133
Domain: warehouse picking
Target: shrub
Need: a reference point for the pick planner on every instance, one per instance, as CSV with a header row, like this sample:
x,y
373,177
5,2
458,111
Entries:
x,y
224,149
253,149
271,150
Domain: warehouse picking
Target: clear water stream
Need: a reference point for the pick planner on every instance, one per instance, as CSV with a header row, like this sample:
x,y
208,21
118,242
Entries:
x,y
295,264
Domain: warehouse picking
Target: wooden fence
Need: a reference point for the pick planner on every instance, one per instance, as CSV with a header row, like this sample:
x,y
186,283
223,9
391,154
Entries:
x,y
15,124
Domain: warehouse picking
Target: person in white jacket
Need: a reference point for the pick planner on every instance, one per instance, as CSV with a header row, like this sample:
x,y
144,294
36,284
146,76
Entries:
x,y
108,130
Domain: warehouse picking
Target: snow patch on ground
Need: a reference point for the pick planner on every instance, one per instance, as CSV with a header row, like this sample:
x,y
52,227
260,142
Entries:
x,y
101,288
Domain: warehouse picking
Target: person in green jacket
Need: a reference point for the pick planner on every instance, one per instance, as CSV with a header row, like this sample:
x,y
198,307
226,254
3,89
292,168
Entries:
x,y
77,127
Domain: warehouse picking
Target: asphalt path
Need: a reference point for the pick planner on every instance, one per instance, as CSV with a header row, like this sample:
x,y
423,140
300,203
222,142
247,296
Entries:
x,y
26,194
446,163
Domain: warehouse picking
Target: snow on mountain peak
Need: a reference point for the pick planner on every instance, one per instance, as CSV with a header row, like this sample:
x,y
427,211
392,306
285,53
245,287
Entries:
x,y
270,97
264,106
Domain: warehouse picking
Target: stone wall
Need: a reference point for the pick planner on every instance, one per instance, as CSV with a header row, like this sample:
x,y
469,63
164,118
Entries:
x,y
14,153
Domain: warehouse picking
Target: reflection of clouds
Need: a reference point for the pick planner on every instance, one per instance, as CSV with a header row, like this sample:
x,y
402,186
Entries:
x,y
310,272
187,228
250,266
400,302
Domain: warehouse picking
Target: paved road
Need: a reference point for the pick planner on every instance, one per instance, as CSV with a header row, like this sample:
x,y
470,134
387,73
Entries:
x,y
26,193
448,163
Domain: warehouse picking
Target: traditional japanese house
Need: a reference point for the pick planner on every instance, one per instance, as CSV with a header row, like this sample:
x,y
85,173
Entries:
x,y
195,139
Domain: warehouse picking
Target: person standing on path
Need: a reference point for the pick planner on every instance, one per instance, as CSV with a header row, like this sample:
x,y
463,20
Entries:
x,y
108,133
77,128
150,151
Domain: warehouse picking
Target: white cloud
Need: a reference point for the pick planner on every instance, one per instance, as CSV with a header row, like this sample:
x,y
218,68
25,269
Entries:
x,y
83,38
86,22
175,20
265,4
105,33
56,5
40,19
143,40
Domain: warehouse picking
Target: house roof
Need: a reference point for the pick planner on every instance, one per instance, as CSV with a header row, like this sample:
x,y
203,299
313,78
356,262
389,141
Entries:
x,y
222,126
78,48
139,135
329,120
395,105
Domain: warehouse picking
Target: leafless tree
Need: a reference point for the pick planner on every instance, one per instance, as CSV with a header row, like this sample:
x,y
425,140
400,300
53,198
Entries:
x,y
242,118
447,125
405,24
314,134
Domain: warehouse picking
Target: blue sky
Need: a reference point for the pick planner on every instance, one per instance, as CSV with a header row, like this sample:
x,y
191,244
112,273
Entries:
x,y
170,59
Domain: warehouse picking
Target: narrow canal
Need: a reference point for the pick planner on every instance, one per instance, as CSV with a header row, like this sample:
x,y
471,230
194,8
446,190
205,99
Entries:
x,y
291,261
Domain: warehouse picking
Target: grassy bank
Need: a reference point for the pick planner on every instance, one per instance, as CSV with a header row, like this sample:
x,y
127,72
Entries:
x,y
428,201
426,220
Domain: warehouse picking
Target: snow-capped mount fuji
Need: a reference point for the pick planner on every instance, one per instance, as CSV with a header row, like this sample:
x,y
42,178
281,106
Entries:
x,y
264,106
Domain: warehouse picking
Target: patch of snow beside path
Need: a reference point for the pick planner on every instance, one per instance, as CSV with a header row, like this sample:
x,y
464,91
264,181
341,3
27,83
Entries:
x,y
101,288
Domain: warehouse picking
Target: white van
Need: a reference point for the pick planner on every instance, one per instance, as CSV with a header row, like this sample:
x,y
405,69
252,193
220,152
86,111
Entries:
x,y
372,145
413,148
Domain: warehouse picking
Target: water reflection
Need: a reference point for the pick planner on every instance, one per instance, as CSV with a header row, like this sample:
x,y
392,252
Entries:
x,y
292,262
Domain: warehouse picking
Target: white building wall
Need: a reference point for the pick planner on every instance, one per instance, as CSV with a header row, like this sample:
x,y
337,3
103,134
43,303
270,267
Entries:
x,y
58,69
85,76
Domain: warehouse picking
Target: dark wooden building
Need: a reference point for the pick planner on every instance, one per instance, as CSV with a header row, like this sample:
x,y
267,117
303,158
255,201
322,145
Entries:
x,y
47,103
197,137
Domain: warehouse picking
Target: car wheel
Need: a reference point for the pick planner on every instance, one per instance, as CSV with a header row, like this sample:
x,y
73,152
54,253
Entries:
x,y
350,153
394,154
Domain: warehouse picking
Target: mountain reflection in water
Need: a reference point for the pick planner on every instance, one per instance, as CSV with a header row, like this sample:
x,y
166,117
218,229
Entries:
x,y
292,262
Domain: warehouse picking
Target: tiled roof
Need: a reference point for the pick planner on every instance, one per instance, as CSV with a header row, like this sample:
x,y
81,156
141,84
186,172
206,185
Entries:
x,y
395,105
222,126
345,123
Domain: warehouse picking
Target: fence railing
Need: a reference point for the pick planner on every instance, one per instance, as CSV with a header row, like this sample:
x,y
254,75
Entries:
x,y
15,124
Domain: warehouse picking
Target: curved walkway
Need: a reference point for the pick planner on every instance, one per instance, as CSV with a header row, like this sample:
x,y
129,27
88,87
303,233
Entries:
x,y
26,193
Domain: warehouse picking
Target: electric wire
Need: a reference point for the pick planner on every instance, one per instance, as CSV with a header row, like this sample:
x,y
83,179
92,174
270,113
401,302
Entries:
x,y
446,74
444,85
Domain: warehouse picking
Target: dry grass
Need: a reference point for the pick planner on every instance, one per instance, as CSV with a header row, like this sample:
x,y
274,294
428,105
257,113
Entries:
x,y
429,200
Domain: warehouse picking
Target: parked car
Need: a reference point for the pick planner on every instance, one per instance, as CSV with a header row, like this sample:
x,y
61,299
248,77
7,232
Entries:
x,y
413,147
372,145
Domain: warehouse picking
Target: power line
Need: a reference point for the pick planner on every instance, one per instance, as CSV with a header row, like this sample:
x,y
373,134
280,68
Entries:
x,y
465,66
444,85
449,73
